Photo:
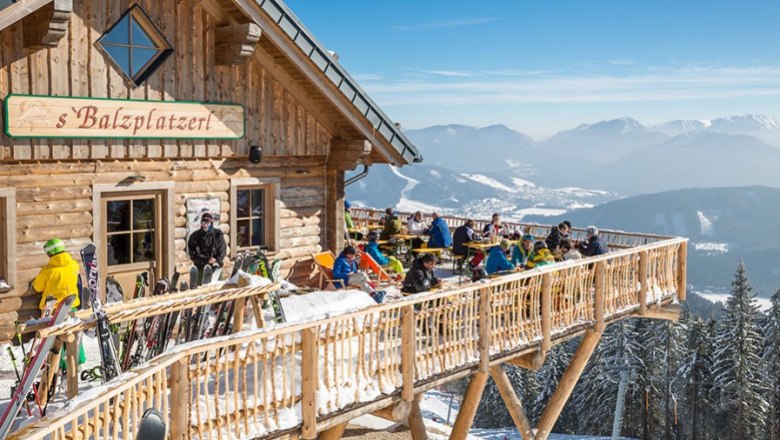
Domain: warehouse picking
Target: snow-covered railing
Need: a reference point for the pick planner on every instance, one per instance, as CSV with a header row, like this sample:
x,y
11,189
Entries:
x,y
615,239
304,378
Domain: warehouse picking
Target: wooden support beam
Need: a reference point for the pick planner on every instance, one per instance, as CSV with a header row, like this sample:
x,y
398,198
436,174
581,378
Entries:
x,y
567,383
46,26
334,433
235,43
397,412
309,369
669,312
512,402
180,396
642,282
416,421
600,294
346,154
238,315
468,409
72,356
529,361
408,339
484,330
682,275
546,312
19,10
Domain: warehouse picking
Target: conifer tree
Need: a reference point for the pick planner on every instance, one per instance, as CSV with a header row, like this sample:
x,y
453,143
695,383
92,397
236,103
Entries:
x,y
697,371
772,367
739,383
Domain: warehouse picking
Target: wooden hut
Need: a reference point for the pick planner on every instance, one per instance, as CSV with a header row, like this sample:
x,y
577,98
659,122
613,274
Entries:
x,y
124,120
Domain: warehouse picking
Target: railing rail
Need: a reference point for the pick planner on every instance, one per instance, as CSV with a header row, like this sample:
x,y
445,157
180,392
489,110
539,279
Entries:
x,y
302,376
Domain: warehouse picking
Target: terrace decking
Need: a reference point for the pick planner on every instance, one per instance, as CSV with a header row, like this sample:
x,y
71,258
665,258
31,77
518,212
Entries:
x,y
309,379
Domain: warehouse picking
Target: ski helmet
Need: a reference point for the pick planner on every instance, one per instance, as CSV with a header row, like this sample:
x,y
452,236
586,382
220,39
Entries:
x,y
54,246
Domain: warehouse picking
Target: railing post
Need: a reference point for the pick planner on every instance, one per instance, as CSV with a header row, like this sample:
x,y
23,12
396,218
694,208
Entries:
x,y
484,329
546,312
600,293
642,282
682,276
309,370
238,315
72,357
407,353
180,399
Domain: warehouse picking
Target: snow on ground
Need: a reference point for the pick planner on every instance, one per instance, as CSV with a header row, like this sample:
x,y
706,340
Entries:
x,y
711,249
763,303
407,204
520,183
488,181
547,212
707,228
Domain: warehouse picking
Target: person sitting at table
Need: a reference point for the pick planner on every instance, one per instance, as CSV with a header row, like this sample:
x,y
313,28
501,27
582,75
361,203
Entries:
x,y
420,277
372,249
521,251
593,244
392,225
541,256
349,224
496,259
345,269
568,251
439,233
557,234
462,235
415,225
494,228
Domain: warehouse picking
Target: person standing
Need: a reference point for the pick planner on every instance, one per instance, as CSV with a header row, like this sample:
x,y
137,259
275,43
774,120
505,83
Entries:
x,y
207,244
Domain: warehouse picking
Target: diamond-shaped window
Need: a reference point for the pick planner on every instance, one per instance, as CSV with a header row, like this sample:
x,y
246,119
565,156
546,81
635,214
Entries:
x,y
135,45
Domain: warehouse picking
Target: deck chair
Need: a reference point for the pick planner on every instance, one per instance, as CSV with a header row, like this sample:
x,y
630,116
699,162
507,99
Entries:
x,y
324,261
368,264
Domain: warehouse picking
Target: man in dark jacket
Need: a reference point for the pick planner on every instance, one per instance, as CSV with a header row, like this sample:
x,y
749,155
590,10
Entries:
x,y
207,244
420,277
462,235
557,234
594,244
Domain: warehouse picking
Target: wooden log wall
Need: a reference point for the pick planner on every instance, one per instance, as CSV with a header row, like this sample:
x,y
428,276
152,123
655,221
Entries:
x,y
280,118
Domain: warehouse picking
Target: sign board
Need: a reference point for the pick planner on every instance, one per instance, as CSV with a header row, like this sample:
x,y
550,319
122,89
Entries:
x,y
196,207
31,116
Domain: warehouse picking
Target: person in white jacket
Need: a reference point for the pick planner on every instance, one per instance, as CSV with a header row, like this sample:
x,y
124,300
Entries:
x,y
416,226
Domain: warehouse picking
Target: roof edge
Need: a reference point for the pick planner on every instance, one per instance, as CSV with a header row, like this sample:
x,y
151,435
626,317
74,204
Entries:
x,y
17,11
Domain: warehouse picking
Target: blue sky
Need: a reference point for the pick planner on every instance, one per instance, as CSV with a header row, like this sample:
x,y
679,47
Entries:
x,y
543,66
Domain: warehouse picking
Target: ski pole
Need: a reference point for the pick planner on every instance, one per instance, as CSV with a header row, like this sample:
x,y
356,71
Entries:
x,y
18,378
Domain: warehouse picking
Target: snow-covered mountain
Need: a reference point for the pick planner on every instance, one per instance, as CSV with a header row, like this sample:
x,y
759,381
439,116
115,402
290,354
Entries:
x,y
678,127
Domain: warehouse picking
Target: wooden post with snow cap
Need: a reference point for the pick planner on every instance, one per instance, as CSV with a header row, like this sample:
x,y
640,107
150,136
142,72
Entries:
x,y
682,276
309,370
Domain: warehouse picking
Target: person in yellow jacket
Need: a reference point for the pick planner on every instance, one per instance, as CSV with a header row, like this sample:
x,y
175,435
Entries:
x,y
541,256
59,278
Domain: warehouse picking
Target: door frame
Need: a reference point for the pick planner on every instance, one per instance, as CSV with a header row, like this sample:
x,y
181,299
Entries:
x,y
166,260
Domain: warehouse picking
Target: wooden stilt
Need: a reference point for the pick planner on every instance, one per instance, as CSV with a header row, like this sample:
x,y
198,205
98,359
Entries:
x,y
334,433
416,422
469,407
512,402
567,383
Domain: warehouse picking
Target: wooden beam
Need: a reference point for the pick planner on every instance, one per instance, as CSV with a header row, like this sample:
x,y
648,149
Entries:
x,y
334,433
180,395
408,342
72,353
468,409
484,330
682,276
397,412
530,361
19,11
46,26
546,312
643,282
416,421
669,312
566,384
309,368
346,154
600,294
512,402
235,43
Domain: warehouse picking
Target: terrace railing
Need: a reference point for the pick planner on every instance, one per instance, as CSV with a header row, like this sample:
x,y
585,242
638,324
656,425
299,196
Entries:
x,y
304,378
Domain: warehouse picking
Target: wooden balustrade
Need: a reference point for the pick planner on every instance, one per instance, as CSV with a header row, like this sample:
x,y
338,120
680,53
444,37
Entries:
x,y
303,378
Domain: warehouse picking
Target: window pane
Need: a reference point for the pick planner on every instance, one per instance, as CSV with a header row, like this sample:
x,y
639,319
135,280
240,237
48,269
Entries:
x,y
258,232
141,57
143,247
242,203
143,214
118,216
258,202
118,33
118,249
140,38
242,233
120,55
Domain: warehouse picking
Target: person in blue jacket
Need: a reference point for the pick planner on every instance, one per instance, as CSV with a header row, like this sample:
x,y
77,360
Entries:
x,y
345,269
372,249
521,252
439,233
496,259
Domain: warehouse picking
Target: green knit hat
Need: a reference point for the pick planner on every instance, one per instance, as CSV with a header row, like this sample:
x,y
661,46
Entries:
x,y
54,246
